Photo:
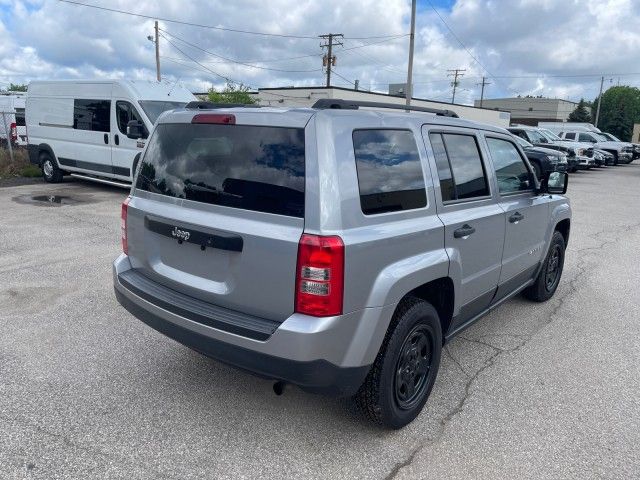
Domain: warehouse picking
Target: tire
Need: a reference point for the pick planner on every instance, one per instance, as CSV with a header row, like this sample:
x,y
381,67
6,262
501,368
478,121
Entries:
x,y
537,170
50,170
407,362
549,277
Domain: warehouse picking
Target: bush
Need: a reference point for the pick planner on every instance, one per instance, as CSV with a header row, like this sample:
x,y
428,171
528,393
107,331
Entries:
x,y
20,167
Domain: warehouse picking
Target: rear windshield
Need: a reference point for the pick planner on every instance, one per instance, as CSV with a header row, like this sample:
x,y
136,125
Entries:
x,y
241,166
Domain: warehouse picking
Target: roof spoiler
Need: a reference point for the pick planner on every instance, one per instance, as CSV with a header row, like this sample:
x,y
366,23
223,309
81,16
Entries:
x,y
200,105
328,103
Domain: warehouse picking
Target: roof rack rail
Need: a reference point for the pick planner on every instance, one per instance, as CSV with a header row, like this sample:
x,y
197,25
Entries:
x,y
200,105
328,103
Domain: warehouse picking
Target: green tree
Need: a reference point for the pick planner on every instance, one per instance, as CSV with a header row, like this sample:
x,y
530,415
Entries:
x,y
232,93
580,114
619,111
17,87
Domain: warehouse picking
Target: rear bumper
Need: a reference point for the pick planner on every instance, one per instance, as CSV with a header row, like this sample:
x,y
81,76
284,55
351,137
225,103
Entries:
x,y
324,355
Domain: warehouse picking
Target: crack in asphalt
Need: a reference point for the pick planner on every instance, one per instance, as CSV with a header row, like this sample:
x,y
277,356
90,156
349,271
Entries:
x,y
580,269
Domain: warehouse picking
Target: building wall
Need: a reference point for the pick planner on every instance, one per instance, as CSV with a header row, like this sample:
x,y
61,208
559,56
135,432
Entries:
x,y
306,97
532,110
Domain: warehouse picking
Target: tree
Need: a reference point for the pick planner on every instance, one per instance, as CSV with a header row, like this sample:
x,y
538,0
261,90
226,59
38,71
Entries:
x,y
619,111
17,87
232,93
580,114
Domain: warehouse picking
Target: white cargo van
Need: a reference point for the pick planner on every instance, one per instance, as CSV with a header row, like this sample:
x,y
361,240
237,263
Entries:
x,y
80,127
12,105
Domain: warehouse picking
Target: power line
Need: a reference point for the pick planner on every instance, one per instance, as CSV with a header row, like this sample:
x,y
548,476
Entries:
x,y
224,29
230,60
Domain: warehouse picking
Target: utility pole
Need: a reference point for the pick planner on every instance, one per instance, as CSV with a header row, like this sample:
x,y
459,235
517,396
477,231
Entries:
x,y
409,87
455,73
484,82
329,59
356,84
157,53
599,103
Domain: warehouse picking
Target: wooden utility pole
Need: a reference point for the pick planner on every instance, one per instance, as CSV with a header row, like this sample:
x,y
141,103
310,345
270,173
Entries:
x,y
157,52
455,73
595,124
409,86
484,82
329,59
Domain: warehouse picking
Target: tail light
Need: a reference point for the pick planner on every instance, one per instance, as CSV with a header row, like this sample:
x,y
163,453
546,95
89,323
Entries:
x,y
320,276
14,132
123,225
216,118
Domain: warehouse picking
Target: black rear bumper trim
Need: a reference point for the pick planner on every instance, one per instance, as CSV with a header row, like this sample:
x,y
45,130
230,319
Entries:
x,y
317,376
197,310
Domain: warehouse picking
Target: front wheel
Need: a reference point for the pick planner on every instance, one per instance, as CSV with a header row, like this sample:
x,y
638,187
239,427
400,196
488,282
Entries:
x,y
50,170
404,372
549,277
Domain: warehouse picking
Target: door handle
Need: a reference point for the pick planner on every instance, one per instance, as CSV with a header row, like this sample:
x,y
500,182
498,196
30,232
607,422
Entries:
x,y
464,231
117,139
106,139
516,217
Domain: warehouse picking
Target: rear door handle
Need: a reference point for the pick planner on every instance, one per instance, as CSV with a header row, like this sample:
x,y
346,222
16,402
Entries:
x,y
516,217
464,231
106,139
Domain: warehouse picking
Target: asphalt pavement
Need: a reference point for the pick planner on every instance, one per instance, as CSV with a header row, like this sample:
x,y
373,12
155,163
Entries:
x,y
531,391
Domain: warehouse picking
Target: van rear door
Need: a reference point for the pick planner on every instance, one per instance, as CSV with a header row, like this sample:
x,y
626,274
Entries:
x,y
218,211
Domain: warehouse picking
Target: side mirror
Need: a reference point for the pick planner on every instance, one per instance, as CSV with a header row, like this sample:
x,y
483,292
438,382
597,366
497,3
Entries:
x,y
556,183
135,129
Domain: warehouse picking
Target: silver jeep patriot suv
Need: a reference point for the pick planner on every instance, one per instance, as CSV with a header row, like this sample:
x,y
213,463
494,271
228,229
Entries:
x,y
337,248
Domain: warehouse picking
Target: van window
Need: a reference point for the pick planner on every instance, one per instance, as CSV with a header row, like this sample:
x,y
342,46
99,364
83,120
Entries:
x,y
20,119
465,165
511,172
389,170
240,166
125,112
94,115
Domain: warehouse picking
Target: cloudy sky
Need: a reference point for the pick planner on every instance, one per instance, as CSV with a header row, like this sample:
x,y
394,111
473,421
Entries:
x,y
555,48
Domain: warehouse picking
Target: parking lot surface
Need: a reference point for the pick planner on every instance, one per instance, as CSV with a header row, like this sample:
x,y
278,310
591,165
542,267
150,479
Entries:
x,y
531,391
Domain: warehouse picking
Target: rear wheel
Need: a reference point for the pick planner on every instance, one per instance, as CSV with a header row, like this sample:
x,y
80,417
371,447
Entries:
x,y
50,170
549,277
403,374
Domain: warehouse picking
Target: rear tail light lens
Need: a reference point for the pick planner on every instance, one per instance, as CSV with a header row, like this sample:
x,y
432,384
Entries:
x,y
320,276
123,225
14,132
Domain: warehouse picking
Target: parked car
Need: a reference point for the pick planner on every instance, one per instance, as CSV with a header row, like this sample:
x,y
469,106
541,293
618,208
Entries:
x,y
12,125
579,156
623,153
335,248
603,158
613,138
80,127
543,160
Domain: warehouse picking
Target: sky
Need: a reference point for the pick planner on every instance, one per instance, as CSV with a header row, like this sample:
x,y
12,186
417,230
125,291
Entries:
x,y
553,48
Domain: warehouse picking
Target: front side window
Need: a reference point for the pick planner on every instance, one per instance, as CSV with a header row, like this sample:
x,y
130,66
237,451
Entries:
x,y
585,137
389,170
125,112
94,115
511,171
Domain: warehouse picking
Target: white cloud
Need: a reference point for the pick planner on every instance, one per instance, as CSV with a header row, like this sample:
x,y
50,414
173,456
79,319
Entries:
x,y
536,40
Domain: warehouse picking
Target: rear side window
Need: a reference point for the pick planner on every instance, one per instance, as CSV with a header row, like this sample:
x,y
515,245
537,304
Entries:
x,y
460,167
570,136
240,166
94,115
390,175
511,172
20,121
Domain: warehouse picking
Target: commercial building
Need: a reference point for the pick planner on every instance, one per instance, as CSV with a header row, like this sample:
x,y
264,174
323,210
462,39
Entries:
x,y
531,110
